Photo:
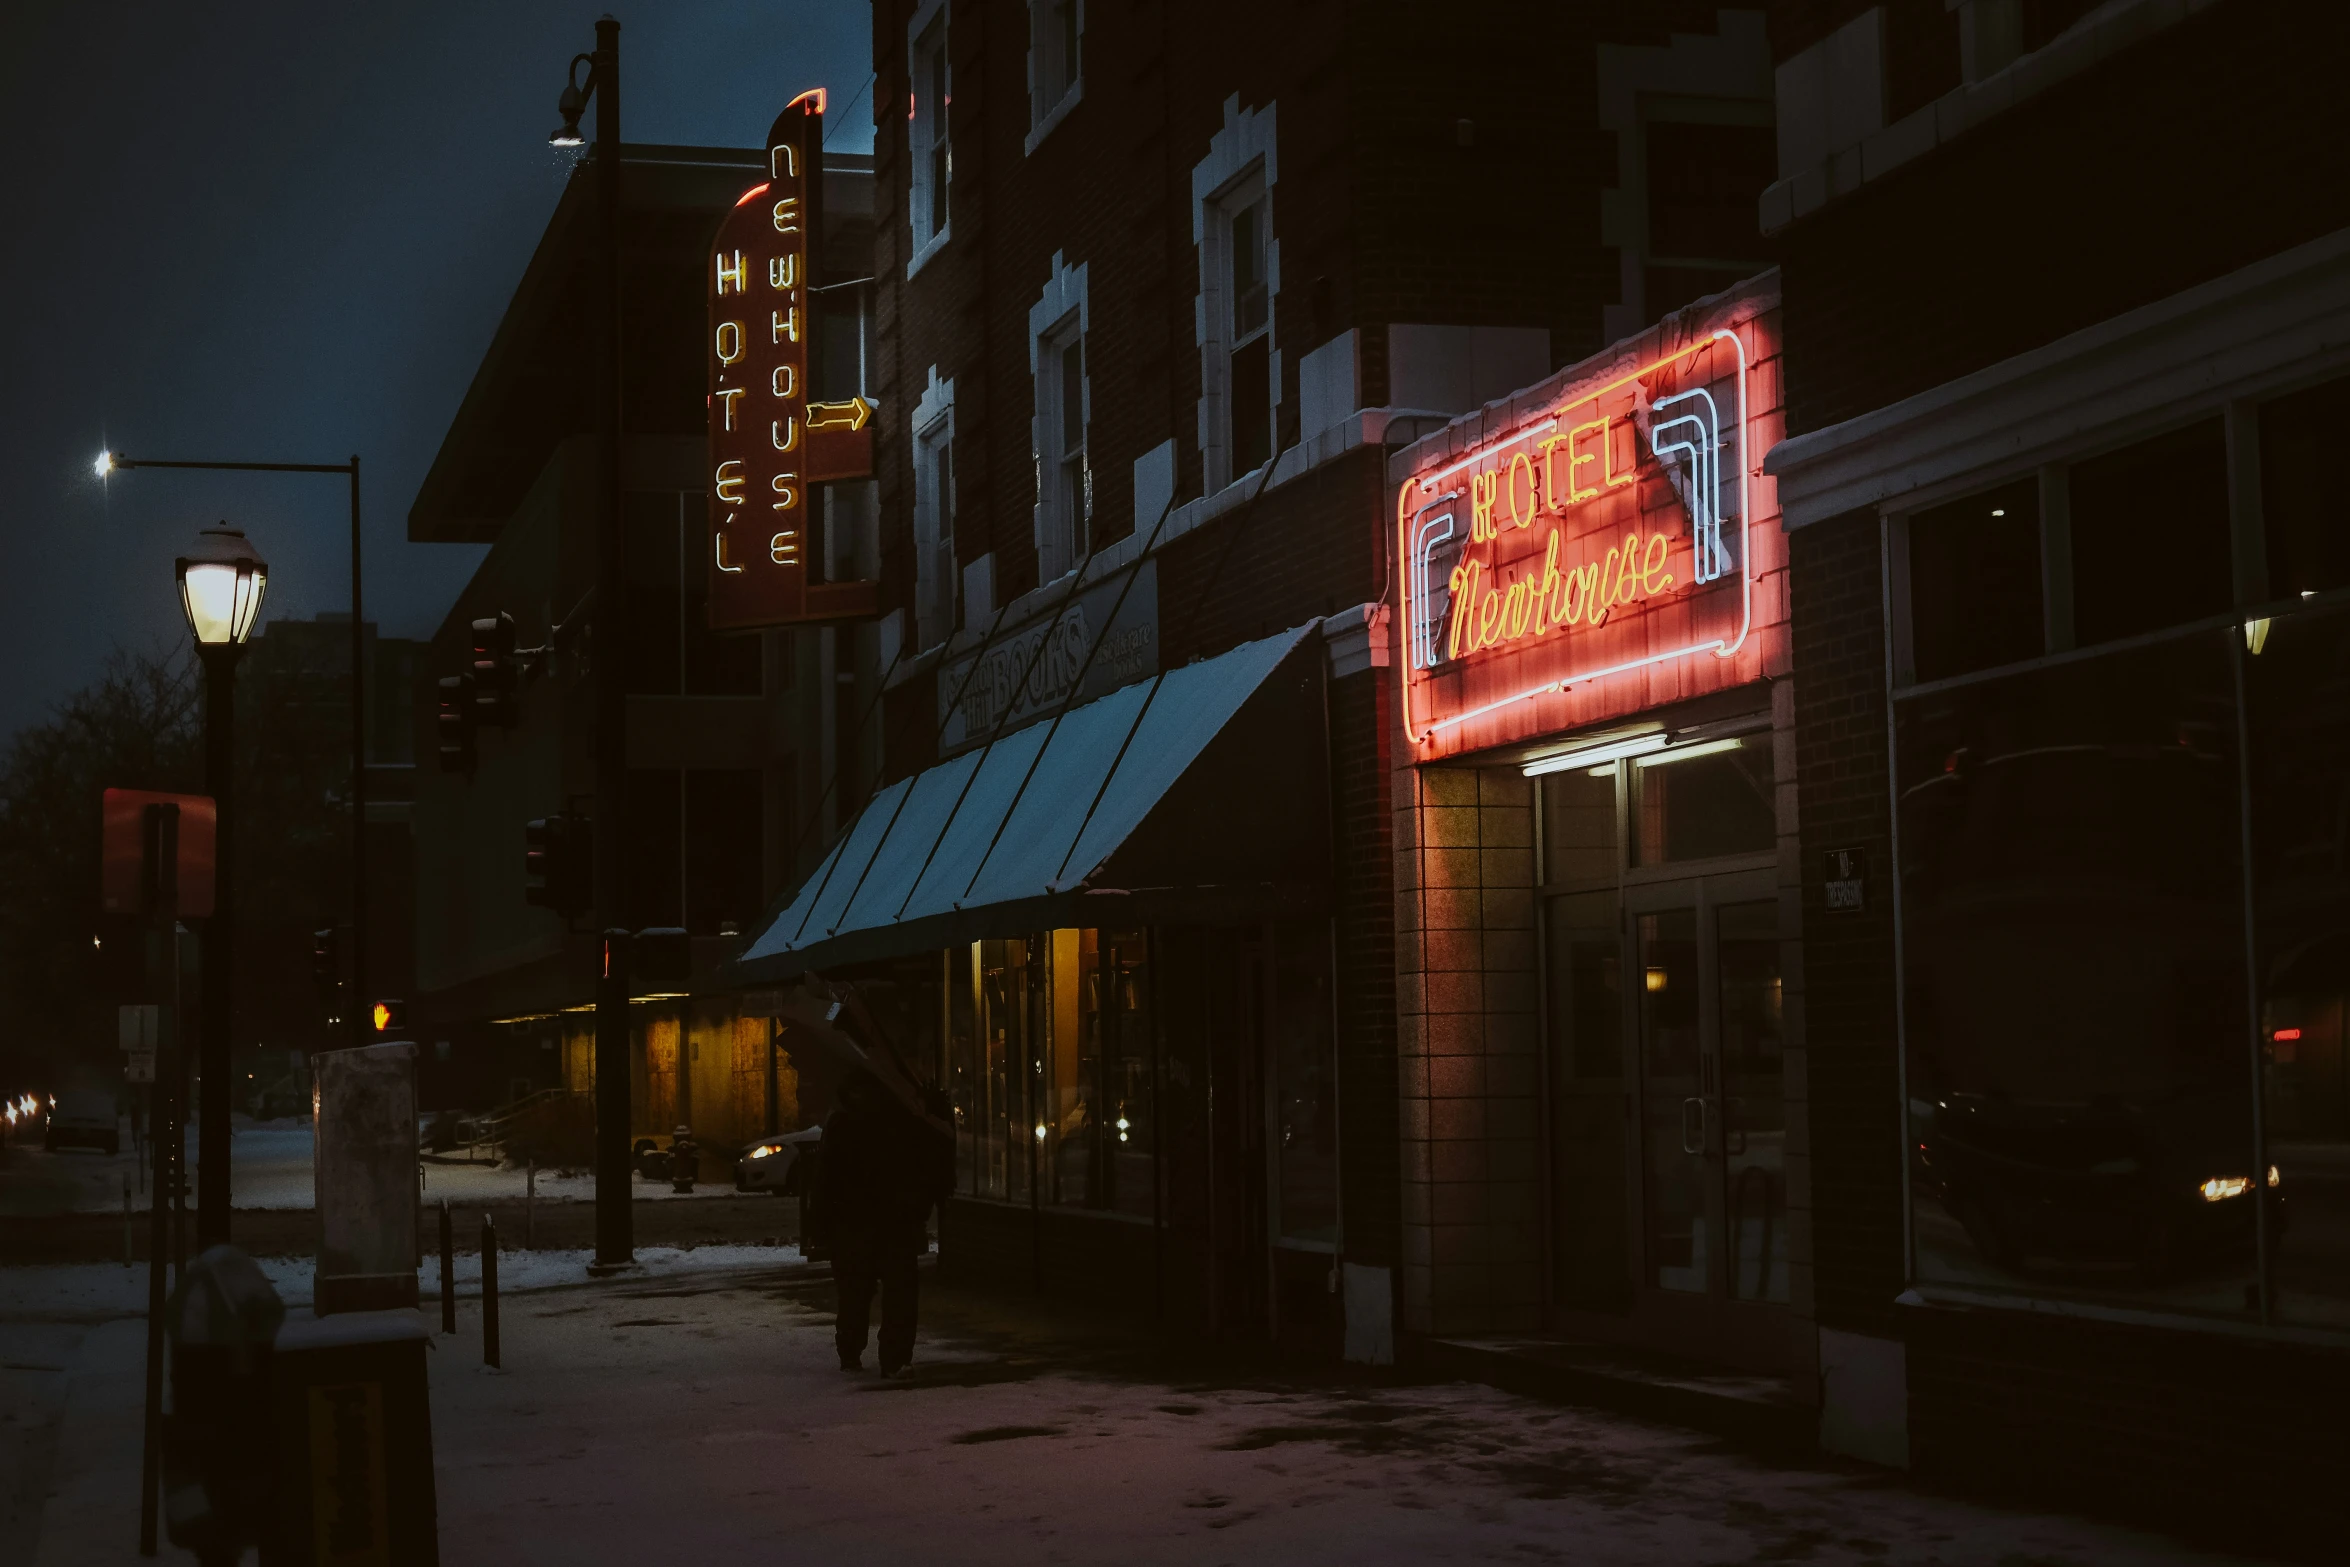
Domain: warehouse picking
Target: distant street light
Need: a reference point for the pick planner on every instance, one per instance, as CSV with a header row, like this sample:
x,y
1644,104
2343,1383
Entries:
x,y
222,581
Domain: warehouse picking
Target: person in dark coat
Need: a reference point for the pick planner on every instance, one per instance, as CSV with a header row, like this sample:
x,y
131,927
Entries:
x,y
881,1170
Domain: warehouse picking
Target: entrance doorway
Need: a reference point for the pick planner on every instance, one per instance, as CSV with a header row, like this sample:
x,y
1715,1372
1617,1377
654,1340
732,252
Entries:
x,y
1664,1003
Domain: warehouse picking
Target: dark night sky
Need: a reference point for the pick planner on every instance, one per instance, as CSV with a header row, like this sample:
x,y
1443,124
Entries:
x,y
285,232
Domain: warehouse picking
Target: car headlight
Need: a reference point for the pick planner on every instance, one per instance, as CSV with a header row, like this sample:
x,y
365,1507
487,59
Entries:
x,y
2221,1187
763,1150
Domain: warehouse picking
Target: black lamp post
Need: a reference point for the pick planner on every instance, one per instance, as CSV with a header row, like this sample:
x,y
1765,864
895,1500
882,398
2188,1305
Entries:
x,y
614,1240
221,582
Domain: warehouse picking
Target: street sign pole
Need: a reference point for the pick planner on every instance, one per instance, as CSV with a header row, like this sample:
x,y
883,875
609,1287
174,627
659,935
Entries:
x,y
160,882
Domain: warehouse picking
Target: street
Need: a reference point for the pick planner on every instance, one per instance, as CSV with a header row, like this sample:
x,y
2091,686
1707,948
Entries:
x,y
699,1415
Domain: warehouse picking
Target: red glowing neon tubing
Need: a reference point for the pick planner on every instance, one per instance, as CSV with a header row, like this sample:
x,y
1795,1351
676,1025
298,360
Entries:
x,y
1429,482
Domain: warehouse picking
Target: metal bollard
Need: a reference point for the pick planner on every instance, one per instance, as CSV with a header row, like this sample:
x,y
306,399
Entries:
x,y
448,1273
489,1291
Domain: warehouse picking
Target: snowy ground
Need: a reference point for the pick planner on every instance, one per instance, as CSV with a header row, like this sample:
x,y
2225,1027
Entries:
x,y
695,1413
269,1168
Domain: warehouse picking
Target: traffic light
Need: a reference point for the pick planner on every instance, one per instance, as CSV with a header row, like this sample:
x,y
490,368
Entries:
x,y
456,723
494,675
388,1017
326,959
558,863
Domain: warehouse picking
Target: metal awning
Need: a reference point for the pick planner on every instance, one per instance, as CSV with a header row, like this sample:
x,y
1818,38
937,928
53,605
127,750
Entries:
x,y
1198,795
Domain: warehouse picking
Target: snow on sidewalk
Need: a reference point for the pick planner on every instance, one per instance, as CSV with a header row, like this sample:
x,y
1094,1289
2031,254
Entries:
x,y
99,1291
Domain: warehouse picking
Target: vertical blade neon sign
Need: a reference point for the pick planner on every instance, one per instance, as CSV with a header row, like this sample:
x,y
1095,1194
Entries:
x,y
1608,535
769,443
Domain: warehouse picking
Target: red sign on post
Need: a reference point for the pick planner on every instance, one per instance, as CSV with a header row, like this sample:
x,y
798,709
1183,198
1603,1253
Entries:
x,y
124,884
769,444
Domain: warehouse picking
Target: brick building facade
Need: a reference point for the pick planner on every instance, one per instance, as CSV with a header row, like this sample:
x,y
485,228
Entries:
x,y
2067,613
1161,293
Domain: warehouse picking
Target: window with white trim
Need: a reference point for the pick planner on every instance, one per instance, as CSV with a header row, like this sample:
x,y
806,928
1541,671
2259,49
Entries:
x,y
938,581
1239,277
1056,62
931,95
1245,217
1064,476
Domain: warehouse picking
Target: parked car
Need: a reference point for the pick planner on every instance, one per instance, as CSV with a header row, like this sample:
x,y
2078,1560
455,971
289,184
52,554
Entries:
x,y
84,1118
779,1164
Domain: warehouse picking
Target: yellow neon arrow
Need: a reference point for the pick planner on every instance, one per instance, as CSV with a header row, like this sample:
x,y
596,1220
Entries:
x,y
831,416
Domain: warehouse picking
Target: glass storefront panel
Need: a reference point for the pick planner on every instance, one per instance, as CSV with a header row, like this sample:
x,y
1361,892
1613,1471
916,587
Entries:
x,y
1107,1135
2079,1094
1006,1153
1579,825
2297,690
1751,1027
1672,1094
965,1074
1305,1085
1703,801
1587,1051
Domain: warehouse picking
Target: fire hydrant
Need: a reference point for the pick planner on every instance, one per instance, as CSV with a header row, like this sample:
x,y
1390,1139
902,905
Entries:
x,y
685,1155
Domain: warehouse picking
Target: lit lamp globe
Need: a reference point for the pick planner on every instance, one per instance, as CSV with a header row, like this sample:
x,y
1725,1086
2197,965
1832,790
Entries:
x,y
221,583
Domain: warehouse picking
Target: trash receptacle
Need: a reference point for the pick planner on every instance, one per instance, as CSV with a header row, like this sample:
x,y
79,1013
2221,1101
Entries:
x,y
354,1441
217,1460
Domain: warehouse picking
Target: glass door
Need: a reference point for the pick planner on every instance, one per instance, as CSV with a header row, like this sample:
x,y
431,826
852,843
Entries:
x,y
1712,1116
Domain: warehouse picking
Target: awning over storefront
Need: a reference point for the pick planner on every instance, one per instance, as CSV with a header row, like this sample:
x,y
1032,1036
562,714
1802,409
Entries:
x,y
1201,796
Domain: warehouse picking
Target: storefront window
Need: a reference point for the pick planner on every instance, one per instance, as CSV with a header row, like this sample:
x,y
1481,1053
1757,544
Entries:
x,y
964,1076
1751,1025
2079,1110
1587,1043
1102,1138
2150,535
1974,583
2298,695
1701,801
2304,508
1673,1101
1579,825
1007,975
1305,1088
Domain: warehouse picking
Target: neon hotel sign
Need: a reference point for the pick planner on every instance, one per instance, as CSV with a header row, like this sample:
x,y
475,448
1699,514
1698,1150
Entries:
x,y
1607,535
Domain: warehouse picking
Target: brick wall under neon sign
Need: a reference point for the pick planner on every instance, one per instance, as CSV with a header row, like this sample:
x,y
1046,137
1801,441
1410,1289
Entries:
x,y
1604,542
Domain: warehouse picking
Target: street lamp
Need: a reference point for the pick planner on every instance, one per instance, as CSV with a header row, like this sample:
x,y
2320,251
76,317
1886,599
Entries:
x,y
111,463
614,1241
221,584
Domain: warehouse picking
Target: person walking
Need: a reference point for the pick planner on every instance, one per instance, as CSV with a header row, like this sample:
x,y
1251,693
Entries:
x,y
881,1170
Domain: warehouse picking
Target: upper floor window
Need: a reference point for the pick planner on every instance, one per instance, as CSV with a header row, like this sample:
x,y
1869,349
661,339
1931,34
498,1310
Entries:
x,y
1065,477
938,581
1705,180
927,135
1056,62
1245,218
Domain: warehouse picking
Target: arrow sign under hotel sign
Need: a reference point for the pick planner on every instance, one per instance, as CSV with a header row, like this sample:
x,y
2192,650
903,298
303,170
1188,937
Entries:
x,y
768,442
828,416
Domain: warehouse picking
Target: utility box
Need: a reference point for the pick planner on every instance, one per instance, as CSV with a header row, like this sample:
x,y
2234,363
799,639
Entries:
x,y
363,1115
353,1418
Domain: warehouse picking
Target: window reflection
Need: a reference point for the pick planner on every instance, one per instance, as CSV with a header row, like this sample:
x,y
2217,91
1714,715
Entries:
x,y
1696,802
2073,936
2298,696
1754,1113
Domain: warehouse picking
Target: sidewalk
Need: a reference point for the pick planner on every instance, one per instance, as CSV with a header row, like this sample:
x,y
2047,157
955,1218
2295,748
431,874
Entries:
x,y
698,1415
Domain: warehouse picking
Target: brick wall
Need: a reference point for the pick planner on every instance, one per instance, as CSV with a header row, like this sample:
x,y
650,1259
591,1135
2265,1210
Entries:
x,y
1363,899
1468,1044
2199,151
1848,1013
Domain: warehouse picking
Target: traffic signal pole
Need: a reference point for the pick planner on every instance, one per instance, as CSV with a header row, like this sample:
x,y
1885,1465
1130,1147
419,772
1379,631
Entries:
x,y
615,1246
